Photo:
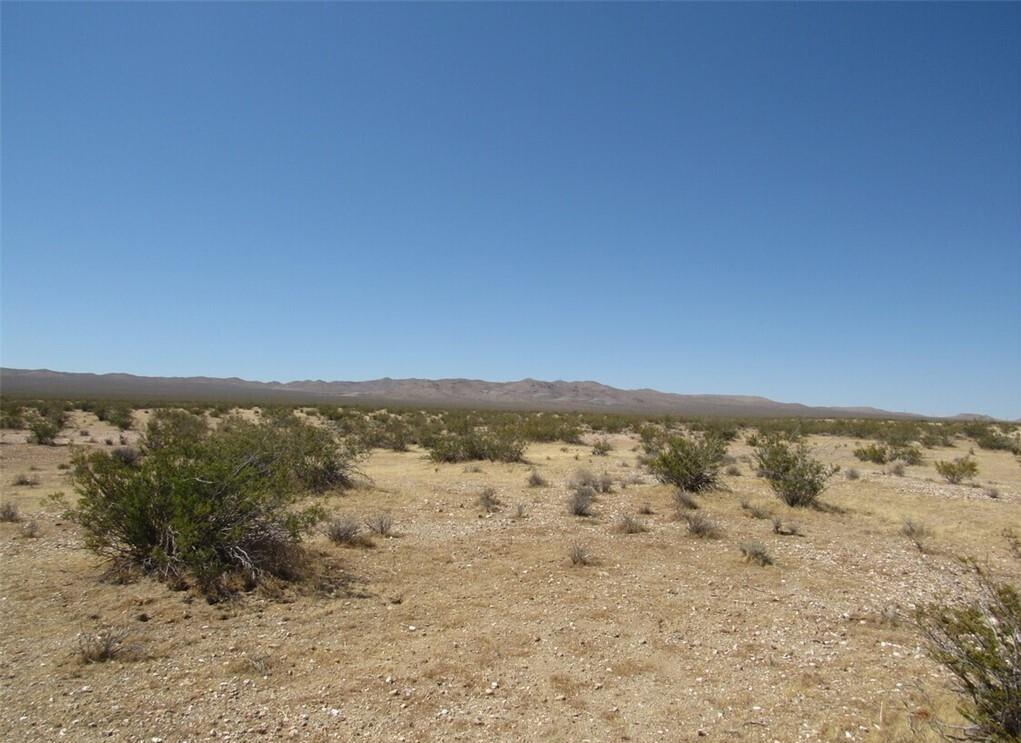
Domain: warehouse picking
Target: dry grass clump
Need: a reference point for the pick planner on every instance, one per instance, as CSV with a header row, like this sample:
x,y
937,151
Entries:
x,y
520,511
346,531
586,478
897,470
756,512
9,512
26,481
756,552
580,555
30,529
917,532
993,493
701,526
380,523
99,647
602,448
579,503
685,502
628,524
488,501
852,474
733,470
645,509
535,480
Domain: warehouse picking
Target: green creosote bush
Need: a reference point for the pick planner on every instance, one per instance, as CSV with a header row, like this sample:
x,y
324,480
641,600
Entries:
x,y
691,464
795,476
212,506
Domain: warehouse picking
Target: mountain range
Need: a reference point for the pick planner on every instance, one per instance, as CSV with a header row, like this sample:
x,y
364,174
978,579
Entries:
x,y
526,394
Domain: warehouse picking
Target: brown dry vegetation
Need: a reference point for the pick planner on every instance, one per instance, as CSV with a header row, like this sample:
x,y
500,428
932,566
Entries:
x,y
473,625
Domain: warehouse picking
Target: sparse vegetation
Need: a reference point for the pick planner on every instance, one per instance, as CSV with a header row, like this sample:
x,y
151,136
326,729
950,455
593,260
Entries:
x,y
691,464
346,531
958,470
380,523
917,532
628,524
701,526
785,528
579,555
602,447
979,643
9,512
756,552
579,503
756,512
488,501
26,481
535,480
795,476
852,474
685,502
99,647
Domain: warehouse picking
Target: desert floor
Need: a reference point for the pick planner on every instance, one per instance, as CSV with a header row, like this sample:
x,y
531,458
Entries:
x,y
473,626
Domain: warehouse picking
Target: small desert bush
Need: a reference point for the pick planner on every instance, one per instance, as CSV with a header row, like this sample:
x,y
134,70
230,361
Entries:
x,y
795,476
520,511
498,445
344,530
1013,542
957,471
691,464
380,523
917,532
733,470
993,493
756,552
979,643
535,480
30,529
628,524
26,481
685,502
579,555
488,501
579,502
852,474
44,430
99,647
9,512
645,509
602,447
701,526
897,470
756,512
875,453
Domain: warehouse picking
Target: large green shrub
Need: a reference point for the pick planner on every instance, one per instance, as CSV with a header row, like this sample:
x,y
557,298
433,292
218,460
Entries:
x,y
795,476
208,504
692,464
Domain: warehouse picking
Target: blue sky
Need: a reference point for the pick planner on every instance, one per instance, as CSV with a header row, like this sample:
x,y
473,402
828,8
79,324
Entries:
x,y
816,203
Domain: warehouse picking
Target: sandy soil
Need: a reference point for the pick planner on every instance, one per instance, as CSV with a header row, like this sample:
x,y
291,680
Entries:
x,y
468,626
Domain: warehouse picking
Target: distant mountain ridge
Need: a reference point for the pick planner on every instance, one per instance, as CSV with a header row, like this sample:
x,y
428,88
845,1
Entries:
x,y
525,394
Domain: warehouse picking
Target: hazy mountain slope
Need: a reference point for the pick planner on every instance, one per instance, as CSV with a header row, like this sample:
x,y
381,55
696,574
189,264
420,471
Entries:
x,y
523,394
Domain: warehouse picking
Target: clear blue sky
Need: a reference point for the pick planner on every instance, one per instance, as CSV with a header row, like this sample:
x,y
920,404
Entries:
x,y
817,203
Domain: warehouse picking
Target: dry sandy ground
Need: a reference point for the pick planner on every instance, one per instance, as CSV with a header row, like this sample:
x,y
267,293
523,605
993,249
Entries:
x,y
477,627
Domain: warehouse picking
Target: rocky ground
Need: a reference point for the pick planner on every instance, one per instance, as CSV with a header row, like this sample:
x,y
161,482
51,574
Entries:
x,y
474,626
